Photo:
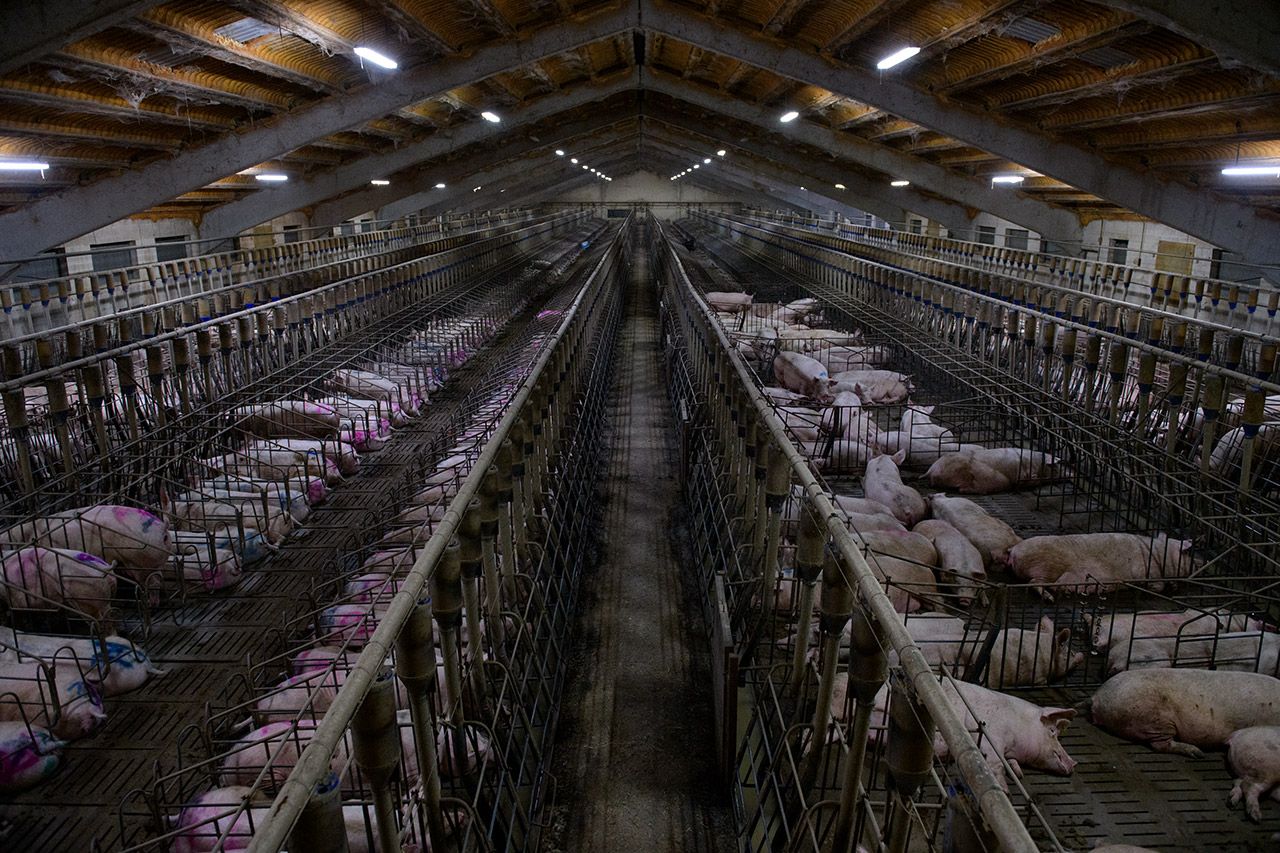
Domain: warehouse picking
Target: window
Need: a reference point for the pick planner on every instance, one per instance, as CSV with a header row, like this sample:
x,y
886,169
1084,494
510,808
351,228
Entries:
x,y
1215,263
1119,252
171,248
1016,238
347,228
112,256
50,264
916,226
292,233
987,235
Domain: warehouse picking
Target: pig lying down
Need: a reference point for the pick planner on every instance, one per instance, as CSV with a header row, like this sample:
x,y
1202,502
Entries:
x,y
1106,559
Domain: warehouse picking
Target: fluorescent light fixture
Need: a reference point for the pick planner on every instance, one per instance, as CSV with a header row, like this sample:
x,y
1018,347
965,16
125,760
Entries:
x,y
380,182
272,177
897,57
585,167
476,189
368,54
492,118
440,185
697,165
802,188
1235,170
573,160
1007,179
559,153
899,183
706,160
22,166
789,115
720,153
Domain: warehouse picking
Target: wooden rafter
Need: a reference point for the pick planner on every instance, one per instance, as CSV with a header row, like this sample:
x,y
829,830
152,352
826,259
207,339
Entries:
x,y
868,22
494,18
413,27
781,19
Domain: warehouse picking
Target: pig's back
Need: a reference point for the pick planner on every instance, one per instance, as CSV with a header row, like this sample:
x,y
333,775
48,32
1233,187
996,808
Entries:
x,y
1201,707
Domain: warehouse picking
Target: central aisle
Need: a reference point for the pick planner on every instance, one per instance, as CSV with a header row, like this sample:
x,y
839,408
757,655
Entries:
x,y
636,759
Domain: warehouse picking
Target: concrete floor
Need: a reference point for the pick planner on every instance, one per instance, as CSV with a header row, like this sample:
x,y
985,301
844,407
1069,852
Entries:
x,y
635,758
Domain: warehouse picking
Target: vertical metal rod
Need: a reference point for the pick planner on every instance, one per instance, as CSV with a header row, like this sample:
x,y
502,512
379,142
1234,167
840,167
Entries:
x,y
868,669
375,741
416,669
809,544
472,569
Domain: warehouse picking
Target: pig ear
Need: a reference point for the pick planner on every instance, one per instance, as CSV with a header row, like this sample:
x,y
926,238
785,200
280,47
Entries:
x,y
1062,637
1187,545
1046,624
928,410
899,457
1059,717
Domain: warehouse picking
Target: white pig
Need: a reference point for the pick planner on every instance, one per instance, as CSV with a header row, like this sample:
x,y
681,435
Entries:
x,y
883,483
803,375
1184,710
72,709
342,454
991,536
1253,754
1198,645
36,577
879,387
1104,558
28,756
1024,734
126,666
734,303
978,470
1024,658
289,418
961,562
134,539
802,422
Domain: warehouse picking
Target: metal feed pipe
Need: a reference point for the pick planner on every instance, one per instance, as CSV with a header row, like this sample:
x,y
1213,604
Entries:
x,y
313,765
873,604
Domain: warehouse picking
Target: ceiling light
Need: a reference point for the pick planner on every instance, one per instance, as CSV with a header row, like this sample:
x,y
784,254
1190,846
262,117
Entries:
x,y
370,55
23,166
272,177
896,57
841,187
492,118
706,160
440,185
476,189
380,182
559,153
697,165
789,115
720,153
1245,170
804,189
585,166
1007,179
573,160
899,183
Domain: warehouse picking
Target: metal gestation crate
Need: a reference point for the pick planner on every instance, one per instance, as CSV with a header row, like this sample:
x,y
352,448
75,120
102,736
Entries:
x,y
223,643
1106,482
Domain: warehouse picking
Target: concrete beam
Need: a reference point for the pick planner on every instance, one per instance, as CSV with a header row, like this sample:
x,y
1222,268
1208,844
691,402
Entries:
x,y
1053,223
67,214
1219,220
1243,32
35,28
878,198
368,197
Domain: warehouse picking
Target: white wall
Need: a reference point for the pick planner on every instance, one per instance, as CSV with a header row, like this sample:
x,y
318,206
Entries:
x,y
141,232
641,187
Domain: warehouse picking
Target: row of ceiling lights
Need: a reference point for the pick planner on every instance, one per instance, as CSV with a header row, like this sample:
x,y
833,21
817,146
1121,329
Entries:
x,y
574,160
705,161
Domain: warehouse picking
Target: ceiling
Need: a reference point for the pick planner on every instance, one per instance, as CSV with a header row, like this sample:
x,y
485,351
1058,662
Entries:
x,y
1120,109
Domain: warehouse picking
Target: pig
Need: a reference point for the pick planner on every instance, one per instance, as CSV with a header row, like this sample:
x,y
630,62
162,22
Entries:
x,y
962,565
71,711
28,756
802,423
944,640
850,504
1109,628
991,536
289,419
308,694
134,539
878,387
294,503
44,577
359,413
349,623
1104,558
219,568
377,387
838,455
212,515
1228,452
1183,711
276,464
1024,658
1024,734
273,748
1253,754
733,303
924,441
341,454
882,483
858,522
803,375
846,417
986,470
782,395
219,820
841,358
902,544
1198,644
910,585
126,666
311,488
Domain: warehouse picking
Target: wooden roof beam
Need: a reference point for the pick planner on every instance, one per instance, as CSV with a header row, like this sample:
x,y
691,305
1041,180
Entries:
x,y
883,10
